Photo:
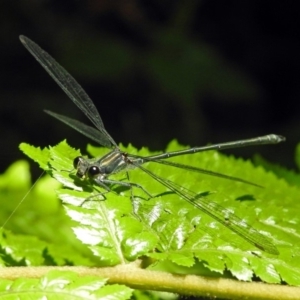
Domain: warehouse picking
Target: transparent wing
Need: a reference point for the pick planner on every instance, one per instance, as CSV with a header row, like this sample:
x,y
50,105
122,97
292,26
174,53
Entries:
x,y
68,84
219,213
84,129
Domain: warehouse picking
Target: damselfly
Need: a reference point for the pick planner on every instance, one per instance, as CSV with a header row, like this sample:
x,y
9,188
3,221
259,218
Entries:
x,y
116,160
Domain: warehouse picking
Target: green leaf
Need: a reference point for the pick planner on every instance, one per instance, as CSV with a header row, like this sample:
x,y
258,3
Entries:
x,y
14,183
292,177
170,231
61,161
41,156
34,215
25,250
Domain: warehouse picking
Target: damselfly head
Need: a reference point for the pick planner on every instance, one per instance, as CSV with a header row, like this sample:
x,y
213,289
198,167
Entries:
x,y
85,169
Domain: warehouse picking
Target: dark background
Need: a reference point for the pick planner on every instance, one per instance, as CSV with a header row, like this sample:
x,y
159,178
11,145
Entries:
x,y
198,71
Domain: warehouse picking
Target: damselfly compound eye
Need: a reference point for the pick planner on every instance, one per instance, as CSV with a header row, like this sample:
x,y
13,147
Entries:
x,y
93,171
